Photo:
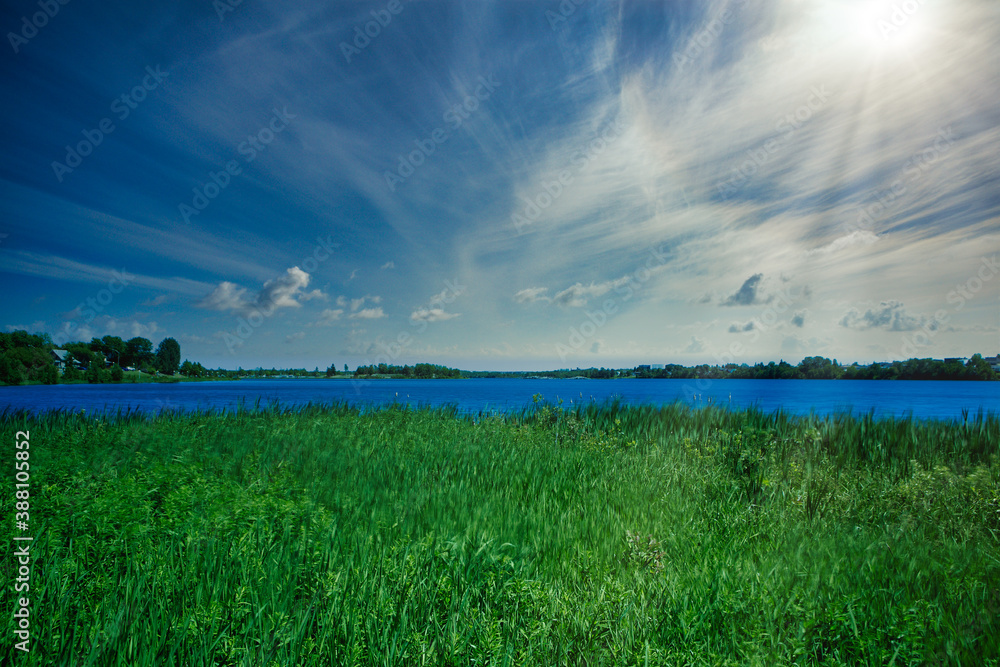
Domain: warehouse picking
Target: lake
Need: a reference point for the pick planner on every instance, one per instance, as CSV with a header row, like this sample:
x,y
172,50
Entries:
x,y
940,400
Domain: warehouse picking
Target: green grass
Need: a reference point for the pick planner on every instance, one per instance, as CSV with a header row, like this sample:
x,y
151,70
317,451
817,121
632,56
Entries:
x,y
603,535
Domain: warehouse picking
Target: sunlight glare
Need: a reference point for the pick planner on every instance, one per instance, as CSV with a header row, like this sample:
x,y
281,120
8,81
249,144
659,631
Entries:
x,y
890,26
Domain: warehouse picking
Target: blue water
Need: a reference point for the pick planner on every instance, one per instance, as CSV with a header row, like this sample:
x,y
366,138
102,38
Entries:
x,y
940,400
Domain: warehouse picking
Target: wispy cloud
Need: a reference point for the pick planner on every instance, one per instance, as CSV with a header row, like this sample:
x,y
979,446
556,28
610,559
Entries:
x,y
577,295
432,315
532,294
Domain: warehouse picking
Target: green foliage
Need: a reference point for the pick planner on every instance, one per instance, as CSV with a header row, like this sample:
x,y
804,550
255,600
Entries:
x,y
168,356
138,353
193,370
96,375
81,353
10,370
116,374
22,339
588,535
422,371
72,373
48,374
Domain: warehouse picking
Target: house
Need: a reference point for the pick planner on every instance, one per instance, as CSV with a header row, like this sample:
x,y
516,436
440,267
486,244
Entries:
x,y
60,358
994,362
656,367
961,360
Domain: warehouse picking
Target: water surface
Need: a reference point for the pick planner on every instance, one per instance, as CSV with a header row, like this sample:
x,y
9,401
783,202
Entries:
x,y
944,400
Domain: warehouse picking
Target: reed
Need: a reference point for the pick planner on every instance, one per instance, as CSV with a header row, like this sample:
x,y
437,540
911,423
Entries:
x,y
601,534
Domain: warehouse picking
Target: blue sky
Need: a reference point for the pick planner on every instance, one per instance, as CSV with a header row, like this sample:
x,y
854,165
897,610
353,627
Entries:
x,y
504,185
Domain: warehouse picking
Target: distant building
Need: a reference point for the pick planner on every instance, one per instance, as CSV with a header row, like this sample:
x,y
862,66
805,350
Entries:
x,y
642,367
994,362
656,367
60,358
961,360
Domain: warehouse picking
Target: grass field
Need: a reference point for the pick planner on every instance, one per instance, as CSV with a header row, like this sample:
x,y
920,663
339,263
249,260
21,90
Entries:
x,y
603,535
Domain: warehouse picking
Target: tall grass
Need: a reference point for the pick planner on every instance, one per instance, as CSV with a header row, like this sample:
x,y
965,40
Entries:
x,y
604,534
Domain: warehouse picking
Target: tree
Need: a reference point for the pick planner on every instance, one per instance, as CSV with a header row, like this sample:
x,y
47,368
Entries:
x,y
95,375
138,352
10,370
168,356
194,370
978,368
71,374
113,347
117,374
331,370
81,353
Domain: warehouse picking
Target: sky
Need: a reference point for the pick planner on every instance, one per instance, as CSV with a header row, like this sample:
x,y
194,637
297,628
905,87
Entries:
x,y
506,185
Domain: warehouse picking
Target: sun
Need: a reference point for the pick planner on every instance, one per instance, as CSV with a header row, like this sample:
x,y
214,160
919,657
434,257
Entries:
x,y
890,27
874,28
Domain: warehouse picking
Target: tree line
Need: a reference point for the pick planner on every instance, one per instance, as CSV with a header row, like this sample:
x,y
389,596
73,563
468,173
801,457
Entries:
x,y
28,357
426,371
821,368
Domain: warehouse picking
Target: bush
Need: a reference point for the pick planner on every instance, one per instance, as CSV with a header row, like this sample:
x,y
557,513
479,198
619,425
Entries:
x,y
10,371
48,374
95,375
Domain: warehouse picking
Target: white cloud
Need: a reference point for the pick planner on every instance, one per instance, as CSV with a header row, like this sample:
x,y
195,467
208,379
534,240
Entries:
x,y
531,295
226,296
285,291
388,265
367,314
356,303
432,315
